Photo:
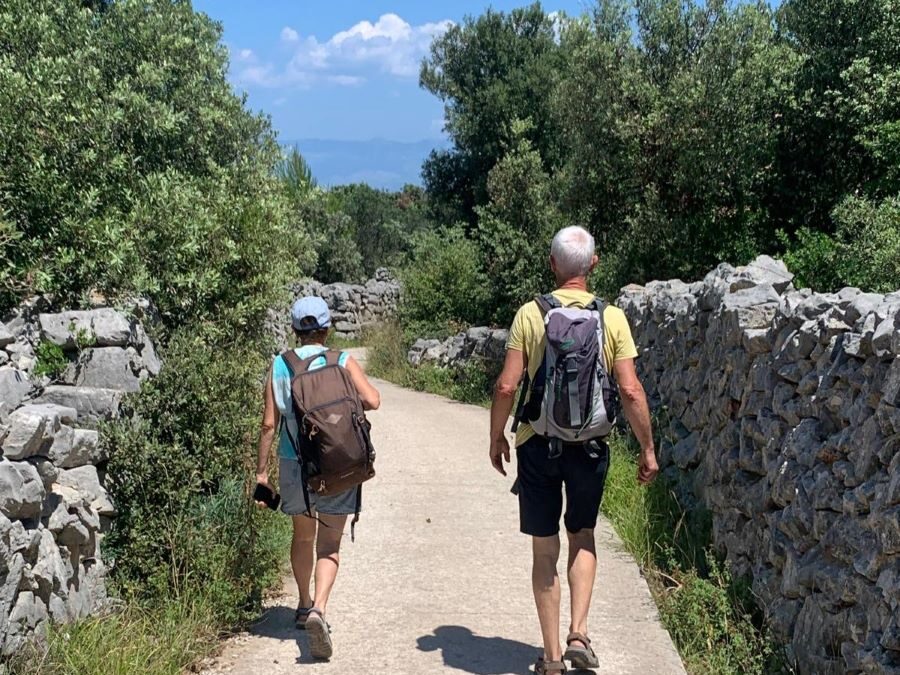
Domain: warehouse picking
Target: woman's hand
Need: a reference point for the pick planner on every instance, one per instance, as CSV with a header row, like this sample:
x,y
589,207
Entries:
x,y
263,479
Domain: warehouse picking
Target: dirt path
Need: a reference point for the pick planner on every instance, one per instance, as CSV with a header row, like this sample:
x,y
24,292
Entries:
x,y
438,580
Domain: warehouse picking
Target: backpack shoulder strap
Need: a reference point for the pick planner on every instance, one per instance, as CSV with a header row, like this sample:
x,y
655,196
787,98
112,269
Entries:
x,y
332,358
599,305
547,302
292,361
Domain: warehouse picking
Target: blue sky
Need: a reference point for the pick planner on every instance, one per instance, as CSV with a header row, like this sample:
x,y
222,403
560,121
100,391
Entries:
x,y
342,69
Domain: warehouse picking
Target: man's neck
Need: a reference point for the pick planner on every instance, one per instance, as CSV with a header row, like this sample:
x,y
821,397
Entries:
x,y
576,284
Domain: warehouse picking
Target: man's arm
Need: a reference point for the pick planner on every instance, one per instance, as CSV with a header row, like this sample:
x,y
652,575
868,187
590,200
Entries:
x,y
270,421
502,405
634,404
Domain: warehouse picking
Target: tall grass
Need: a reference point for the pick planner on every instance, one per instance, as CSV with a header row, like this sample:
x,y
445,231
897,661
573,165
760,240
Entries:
x,y
163,640
710,615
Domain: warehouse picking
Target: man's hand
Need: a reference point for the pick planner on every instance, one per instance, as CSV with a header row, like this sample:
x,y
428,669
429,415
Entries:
x,y
499,452
263,479
647,466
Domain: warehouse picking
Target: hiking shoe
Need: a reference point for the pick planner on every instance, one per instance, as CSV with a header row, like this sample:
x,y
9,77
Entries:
x,y
319,634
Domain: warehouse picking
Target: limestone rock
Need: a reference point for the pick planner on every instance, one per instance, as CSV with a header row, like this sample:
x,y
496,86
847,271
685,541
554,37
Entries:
x,y
150,359
28,616
46,470
106,368
110,328
764,270
26,434
14,386
6,337
84,449
49,571
84,482
66,329
92,404
21,490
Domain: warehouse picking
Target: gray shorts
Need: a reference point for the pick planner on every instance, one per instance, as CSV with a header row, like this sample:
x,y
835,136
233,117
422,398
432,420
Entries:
x,y
290,485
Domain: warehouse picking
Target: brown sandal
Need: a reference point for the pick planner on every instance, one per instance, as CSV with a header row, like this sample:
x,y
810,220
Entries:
x,y
581,657
542,667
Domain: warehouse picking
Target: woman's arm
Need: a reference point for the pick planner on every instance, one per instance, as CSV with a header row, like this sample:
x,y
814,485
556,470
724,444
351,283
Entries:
x,y
271,417
368,394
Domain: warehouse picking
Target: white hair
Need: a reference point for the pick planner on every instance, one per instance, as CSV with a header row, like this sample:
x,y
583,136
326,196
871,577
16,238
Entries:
x,y
573,251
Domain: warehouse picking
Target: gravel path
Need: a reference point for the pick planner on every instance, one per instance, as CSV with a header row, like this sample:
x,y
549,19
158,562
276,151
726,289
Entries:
x,y
438,580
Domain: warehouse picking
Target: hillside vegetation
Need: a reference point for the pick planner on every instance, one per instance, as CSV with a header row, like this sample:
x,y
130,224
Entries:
x,y
680,133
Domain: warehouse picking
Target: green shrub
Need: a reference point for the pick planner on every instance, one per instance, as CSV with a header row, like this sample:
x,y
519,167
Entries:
x,y
815,258
869,231
863,252
387,350
51,360
165,187
444,283
174,459
516,227
340,258
713,621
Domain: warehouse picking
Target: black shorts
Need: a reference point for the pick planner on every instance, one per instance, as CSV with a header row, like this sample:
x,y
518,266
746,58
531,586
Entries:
x,y
541,481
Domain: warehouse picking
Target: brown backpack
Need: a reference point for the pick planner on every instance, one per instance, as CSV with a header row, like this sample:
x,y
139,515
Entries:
x,y
334,445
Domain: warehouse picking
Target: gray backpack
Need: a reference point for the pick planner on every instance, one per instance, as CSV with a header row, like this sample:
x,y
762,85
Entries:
x,y
573,398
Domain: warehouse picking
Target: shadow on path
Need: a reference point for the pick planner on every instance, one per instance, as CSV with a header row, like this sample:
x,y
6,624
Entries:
x,y
463,650
278,623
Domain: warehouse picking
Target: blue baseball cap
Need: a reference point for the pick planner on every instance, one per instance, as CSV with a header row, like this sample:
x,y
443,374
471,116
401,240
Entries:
x,y
310,313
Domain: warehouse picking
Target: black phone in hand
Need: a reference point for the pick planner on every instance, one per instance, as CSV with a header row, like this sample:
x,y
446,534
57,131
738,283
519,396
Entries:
x,y
264,494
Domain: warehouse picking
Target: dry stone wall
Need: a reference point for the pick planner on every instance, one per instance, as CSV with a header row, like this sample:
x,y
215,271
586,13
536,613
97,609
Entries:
x,y
782,411
54,509
354,307
476,344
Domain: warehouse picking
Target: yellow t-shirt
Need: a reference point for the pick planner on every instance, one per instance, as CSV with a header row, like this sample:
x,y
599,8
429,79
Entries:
x,y
527,335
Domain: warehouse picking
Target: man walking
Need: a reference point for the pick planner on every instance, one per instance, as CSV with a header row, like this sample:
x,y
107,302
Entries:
x,y
570,404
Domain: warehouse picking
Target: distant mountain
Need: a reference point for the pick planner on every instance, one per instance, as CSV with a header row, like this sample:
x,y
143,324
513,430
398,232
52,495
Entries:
x,y
380,163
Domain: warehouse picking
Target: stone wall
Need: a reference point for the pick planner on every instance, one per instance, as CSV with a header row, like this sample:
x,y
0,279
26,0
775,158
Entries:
x,y
480,343
353,307
53,506
781,410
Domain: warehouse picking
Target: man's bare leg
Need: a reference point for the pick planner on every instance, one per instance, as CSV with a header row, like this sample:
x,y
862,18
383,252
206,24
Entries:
x,y
582,569
328,547
545,584
302,556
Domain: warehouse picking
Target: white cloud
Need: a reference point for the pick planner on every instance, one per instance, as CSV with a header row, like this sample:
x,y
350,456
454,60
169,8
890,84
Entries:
x,y
346,80
246,55
390,45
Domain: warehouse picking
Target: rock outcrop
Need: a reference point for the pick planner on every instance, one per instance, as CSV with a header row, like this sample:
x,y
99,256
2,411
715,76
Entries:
x,y
53,506
782,416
